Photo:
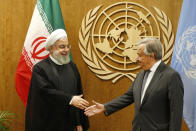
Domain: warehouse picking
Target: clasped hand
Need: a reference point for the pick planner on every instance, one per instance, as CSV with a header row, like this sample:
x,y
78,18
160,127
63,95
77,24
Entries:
x,y
79,102
94,109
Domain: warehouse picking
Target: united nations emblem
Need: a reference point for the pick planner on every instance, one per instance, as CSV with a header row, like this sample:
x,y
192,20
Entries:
x,y
185,53
107,38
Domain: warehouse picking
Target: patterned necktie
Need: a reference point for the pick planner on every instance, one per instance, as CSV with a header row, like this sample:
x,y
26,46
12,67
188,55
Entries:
x,y
144,80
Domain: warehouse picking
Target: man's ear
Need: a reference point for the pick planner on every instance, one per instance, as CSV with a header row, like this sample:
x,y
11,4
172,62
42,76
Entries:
x,y
152,55
51,49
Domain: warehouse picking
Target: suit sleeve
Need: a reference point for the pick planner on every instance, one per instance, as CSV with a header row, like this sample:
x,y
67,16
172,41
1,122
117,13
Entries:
x,y
176,93
120,102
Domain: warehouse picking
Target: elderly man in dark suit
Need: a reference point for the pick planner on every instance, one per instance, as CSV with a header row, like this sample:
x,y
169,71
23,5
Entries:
x,y
157,92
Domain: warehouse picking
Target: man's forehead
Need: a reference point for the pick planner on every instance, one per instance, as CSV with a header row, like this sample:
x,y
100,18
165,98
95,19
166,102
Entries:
x,y
140,47
62,41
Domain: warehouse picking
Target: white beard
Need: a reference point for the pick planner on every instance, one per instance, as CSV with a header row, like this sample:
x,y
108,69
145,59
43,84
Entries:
x,y
60,58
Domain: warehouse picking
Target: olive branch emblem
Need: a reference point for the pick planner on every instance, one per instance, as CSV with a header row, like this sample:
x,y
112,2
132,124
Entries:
x,y
168,35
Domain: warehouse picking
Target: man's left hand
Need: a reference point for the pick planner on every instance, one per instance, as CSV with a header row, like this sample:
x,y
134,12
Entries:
x,y
79,102
79,128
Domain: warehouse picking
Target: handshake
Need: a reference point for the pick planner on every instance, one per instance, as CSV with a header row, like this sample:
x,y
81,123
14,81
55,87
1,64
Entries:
x,y
81,103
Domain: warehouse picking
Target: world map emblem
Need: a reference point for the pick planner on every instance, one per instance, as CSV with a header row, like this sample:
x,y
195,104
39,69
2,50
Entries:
x,y
108,37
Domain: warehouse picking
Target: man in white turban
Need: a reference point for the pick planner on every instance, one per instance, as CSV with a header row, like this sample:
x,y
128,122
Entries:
x,y
55,101
58,55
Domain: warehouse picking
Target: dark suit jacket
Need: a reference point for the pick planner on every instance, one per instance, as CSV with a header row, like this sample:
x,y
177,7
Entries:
x,y
162,106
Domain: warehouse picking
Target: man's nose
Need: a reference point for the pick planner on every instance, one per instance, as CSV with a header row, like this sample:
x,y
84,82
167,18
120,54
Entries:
x,y
136,58
66,49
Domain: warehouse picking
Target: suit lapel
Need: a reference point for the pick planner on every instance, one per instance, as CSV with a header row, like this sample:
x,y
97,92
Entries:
x,y
154,82
138,89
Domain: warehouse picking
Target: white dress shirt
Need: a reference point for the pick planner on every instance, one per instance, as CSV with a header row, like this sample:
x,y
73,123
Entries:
x,y
151,74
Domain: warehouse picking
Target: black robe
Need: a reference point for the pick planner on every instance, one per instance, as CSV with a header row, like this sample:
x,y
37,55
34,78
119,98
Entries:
x,y
51,89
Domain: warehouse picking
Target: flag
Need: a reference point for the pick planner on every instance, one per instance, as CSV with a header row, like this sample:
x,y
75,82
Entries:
x,y
184,59
46,18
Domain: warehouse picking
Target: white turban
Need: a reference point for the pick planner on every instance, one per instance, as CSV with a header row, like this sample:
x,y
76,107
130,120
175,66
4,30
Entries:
x,y
54,36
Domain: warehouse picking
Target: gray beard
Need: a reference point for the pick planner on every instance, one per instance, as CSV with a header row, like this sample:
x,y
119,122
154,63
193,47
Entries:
x,y
60,58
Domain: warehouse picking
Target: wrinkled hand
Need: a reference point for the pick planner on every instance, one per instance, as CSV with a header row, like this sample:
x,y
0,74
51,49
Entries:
x,y
94,109
79,128
79,102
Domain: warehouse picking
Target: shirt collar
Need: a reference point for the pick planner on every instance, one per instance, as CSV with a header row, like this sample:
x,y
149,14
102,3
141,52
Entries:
x,y
54,60
155,66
